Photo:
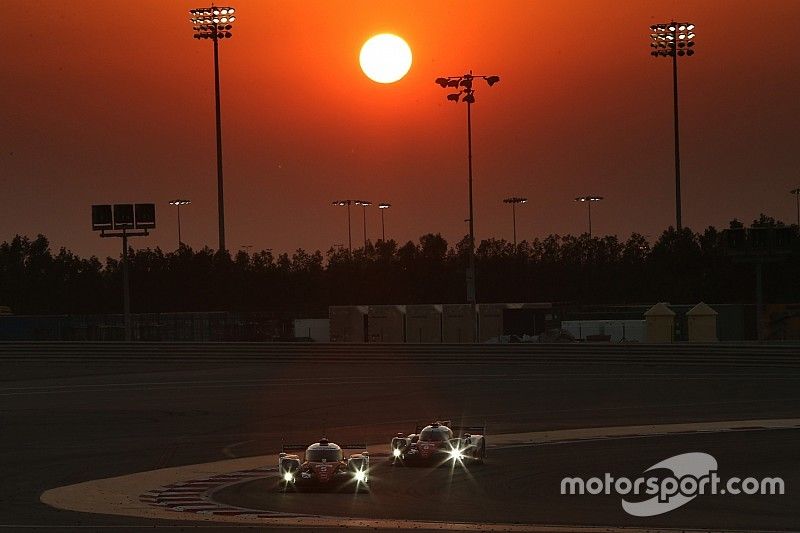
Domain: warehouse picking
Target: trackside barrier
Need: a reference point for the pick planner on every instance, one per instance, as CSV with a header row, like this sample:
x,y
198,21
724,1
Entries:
x,y
244,352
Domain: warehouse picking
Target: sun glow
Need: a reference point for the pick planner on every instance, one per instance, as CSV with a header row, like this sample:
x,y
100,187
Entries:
x,y
385,58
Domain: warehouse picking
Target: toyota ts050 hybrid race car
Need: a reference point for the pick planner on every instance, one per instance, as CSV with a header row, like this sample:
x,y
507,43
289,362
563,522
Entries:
x,y
323,467
439,443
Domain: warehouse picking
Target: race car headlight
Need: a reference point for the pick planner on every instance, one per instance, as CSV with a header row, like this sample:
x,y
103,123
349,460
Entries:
x,y
456,454
360,475
396,452
288,477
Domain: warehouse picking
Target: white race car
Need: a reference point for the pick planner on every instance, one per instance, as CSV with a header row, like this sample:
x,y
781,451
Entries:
x,y
439,443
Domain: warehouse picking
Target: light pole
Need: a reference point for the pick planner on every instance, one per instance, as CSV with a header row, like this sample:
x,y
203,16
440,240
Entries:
x,y
178,203
383,207
674,39
364,204
796,193
349,232
215,23
589,200
514,200
466,93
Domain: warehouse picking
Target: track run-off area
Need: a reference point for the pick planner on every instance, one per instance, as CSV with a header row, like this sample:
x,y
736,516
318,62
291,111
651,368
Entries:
x,y
158,415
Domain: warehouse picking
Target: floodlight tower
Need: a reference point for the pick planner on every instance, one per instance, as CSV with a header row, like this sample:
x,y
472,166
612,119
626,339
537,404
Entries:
x,y
347,203
383,207
178,203
364,205
796,193
464,84
514,200
215,23
674,39
588,200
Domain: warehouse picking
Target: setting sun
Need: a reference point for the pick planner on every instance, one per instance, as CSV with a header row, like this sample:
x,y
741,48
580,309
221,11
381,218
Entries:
x,y
385,58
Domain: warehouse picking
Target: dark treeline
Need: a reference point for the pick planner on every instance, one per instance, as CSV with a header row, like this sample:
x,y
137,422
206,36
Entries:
x,y
680,267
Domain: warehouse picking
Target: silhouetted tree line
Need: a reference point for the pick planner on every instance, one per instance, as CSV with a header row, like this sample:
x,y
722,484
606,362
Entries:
x,y
680,267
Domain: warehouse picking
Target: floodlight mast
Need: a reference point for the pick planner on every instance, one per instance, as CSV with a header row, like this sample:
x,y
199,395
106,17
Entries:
x,y
796,193
364,204
349,227
215,23
383,207
589,199
178,203
674,39
466,93
514,200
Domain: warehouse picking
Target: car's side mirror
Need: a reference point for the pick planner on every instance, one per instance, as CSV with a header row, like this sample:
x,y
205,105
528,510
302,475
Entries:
x,y
282,455
467,435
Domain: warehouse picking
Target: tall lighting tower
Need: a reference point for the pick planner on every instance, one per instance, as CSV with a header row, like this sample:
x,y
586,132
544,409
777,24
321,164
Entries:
x,y
347,203
215,23
464,84
674,39
178,203
588,200
383,207
796,193
364,205
514,200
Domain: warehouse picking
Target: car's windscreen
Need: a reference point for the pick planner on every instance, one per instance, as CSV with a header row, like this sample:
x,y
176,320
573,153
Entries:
x,y
436,435
318,455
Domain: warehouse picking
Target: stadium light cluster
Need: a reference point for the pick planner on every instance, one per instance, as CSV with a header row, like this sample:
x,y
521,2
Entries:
x,y
213,22
588,198
672,38
515,200
465,85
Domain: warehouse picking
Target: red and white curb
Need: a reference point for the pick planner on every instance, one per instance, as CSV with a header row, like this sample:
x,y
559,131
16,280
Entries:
x,y
194,496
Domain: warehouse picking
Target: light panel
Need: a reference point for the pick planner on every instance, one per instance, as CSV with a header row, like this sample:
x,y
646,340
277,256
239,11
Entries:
x,y
212,22
672,39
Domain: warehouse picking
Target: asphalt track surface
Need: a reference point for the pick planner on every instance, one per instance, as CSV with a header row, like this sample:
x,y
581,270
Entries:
x,y
522,485
69,417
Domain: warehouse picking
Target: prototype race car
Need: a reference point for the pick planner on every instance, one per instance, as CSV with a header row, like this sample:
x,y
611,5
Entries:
x,y
324,467
439,443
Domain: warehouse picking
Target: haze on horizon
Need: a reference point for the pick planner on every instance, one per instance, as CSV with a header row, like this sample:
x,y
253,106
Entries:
x,y
112,102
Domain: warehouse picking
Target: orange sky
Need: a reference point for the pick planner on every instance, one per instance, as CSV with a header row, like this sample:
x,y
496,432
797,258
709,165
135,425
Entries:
x,y
114,102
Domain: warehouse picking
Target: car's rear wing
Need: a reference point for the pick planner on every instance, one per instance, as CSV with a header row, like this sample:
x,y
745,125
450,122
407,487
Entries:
x,y
440,422
472,430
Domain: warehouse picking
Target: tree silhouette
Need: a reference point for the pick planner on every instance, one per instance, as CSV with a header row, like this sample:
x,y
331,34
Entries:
x,y
679,267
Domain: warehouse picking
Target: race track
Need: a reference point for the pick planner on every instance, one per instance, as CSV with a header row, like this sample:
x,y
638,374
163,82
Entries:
x,y
78,414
